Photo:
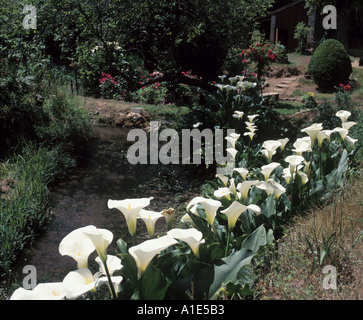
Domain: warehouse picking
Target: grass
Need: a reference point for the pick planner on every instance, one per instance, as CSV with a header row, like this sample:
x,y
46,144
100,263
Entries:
x,y
296,268
24,206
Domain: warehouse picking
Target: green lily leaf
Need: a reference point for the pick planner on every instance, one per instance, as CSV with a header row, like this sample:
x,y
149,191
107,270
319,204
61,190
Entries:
x,y
228,271
256,239
153,285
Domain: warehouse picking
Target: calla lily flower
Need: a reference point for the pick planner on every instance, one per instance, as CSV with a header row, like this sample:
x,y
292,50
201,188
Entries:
x,y
144,252
130,208
191,236
267,169
232,152
351,141
348,125
43,291
223,192
169,215
245,186
115,282
343,115
210,207
278,188
252,117
321,136
286,174
186,219
101,239
250,134
294,161
238,114
304,177
270,147
343,132
150,218
78,246
223,178
301,146
242,171
283,142
232,186
327,133
113,264
251,127
233,212
79,282
263,185
313,131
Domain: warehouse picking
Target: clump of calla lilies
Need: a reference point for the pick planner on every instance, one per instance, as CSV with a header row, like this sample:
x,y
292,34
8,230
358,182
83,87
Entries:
x,y
224,227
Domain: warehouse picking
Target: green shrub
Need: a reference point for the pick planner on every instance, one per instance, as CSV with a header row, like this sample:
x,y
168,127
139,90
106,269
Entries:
x,y
330,64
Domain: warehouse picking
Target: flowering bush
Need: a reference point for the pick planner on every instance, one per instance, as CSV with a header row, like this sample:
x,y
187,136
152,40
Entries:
x,y
309,101
108,86
261,54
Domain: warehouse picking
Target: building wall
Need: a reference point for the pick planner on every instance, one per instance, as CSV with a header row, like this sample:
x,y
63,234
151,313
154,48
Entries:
x,y
286,21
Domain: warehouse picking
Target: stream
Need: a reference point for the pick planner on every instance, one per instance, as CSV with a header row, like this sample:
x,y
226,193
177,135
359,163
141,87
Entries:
x,y
81,200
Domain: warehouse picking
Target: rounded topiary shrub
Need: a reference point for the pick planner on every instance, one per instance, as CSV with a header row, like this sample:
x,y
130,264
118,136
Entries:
x,y
330,64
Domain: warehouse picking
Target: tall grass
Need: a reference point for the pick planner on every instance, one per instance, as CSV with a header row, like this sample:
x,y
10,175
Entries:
x,y
24,208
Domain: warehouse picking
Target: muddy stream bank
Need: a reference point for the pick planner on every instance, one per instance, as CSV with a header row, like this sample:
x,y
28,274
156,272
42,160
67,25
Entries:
x,y
81,199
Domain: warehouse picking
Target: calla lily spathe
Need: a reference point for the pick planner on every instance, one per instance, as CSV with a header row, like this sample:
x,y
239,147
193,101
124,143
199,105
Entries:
x,y
242,171
210,207
343,115
235,210
294,161
223,192
278,188
113,264
144,252
79,282
191,236
301,146
78,246
313,131
150,218
101,238
130,208
43,291
267,169
270,147
245,186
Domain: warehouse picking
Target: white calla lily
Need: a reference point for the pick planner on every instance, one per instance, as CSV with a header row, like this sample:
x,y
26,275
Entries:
x,y
223,178
101,239
242,171
150,218
43,291
245,186
313,131
278,188
79,282
348,125
270,147
263,185
191,236
252,117
223,192
232,152
351,141
113,264
210,207
144,252
130,208
267,169
294,161
283,143
238,114
342,131
233,212
343,115
78,246
301,146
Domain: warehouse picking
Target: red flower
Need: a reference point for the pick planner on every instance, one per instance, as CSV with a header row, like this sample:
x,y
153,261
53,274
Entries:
x,y
347,88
